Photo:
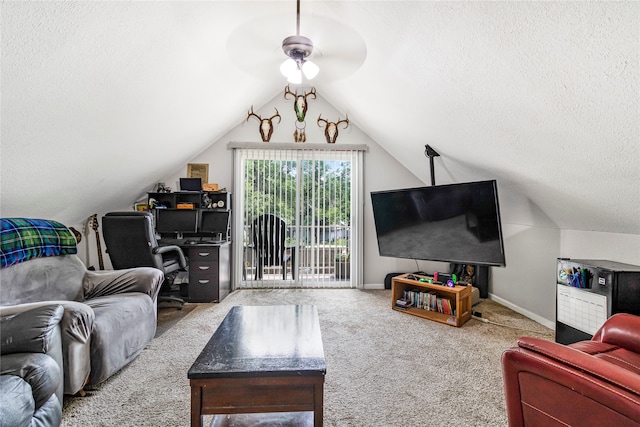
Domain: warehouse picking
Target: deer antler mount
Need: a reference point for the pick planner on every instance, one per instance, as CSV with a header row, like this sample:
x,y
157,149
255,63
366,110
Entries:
x,y
266,125
300,105
331,129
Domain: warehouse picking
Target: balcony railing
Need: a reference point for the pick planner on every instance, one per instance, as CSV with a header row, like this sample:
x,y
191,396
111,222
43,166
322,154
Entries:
x,y
326,260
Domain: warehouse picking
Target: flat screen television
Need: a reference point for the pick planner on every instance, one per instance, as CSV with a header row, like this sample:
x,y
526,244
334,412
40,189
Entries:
x,y
457,223
176,220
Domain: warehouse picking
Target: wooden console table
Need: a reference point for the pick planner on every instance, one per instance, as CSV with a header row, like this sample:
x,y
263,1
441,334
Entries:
x,y
261,359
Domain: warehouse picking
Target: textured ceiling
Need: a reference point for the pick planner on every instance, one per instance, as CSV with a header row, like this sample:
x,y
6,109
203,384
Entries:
x,y
99,99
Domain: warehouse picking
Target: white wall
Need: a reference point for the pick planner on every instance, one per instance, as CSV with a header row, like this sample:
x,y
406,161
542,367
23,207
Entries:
x,y
527,285
532,241
381,172
596,245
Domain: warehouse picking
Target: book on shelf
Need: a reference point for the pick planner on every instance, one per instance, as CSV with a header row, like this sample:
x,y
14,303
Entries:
x,y
403,303
429,301
433,301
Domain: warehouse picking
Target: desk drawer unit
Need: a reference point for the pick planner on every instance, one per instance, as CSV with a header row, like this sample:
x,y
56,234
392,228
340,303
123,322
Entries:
x,y
208,273
203,274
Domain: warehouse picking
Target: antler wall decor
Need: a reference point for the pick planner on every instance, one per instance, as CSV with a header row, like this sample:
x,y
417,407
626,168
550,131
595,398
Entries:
x,y
331,129
266,125
300,107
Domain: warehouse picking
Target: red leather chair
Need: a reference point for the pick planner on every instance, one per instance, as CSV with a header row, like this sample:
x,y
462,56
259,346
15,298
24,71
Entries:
x,y
589,383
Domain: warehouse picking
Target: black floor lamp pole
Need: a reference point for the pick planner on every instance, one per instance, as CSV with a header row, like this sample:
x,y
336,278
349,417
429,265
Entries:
x,y
431,153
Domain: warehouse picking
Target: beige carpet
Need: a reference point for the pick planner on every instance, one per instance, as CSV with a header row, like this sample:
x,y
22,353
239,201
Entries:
x,y
384,368
169,315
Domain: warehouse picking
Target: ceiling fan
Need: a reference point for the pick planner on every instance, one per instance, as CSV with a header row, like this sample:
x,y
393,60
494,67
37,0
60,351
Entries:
x,y
298,48
262,47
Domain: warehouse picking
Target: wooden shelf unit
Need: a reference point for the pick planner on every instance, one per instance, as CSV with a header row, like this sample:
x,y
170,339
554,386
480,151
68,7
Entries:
x,y
460,296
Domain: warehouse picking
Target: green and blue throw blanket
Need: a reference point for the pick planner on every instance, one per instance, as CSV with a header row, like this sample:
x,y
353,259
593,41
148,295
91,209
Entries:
x,y
27,238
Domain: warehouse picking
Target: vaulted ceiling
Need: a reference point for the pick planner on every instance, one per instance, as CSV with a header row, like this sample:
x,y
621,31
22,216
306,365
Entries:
x,y
101,99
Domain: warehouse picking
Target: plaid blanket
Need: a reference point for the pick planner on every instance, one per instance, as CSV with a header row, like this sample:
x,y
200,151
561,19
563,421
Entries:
x,y
27,238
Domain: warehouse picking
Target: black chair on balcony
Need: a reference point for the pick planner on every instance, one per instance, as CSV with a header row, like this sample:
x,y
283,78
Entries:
x,y
269,232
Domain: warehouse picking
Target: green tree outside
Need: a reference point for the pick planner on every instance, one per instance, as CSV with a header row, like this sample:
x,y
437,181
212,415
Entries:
x,y
325,194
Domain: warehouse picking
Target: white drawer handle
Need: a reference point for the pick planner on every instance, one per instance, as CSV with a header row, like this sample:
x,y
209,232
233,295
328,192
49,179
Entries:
x,y
203,253
203,281
204,267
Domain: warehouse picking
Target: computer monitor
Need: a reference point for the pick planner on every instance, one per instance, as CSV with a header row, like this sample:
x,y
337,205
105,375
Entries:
x,y
176,220
215,221
190,184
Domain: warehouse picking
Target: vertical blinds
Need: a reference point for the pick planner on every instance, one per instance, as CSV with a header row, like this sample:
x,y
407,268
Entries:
x,y
317,193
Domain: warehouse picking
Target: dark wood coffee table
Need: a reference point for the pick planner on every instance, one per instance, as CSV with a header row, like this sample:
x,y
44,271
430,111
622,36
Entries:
x,y
261,359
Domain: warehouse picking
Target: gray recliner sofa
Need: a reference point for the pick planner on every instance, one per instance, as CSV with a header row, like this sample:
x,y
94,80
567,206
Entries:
x,y
31,368
109,316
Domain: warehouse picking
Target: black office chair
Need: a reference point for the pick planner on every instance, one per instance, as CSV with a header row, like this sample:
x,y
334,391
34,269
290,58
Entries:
x,y
131,242
269,233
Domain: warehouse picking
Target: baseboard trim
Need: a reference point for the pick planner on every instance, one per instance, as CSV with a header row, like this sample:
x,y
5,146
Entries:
x,y
541,320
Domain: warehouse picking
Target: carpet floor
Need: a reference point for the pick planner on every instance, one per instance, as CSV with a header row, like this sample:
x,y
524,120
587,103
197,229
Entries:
x,y
384,368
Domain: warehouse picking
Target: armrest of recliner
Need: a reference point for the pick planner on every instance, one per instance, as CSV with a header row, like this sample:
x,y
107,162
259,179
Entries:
x,y
30,331
39,370
31,349
76,327
584,362
182,261
111,282
622,330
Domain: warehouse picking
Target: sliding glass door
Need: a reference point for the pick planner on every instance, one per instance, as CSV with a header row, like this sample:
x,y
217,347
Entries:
x,y
296,217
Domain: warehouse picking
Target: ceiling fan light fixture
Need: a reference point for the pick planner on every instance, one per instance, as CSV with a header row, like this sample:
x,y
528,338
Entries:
x,y
310,69
295,77
288,67
292,71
